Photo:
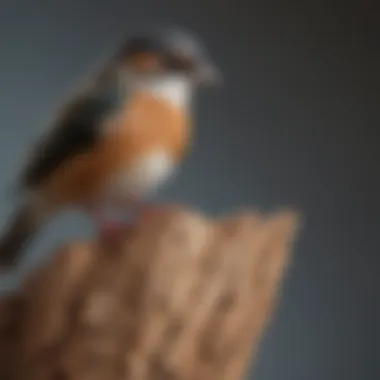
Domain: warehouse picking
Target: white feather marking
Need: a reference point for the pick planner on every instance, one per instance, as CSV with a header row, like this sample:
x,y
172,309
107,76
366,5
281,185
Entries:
x,y
147,174
177,90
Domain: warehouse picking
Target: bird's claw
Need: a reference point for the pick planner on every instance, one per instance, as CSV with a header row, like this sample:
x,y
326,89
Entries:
x,y
111,230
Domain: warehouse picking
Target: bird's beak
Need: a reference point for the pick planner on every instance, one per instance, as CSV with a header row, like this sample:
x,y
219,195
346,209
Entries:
x,y
209,75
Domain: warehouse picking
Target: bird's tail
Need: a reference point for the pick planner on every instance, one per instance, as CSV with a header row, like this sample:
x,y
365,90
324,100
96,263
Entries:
x,y
21,228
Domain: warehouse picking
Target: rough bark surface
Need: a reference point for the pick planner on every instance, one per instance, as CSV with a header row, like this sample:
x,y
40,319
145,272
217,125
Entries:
x,y
177,297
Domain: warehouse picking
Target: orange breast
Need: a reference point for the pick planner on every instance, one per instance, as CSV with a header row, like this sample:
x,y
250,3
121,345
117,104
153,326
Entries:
x,y
144,124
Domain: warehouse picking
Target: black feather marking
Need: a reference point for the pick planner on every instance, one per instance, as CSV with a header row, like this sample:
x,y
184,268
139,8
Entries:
x,y
21,228
76,131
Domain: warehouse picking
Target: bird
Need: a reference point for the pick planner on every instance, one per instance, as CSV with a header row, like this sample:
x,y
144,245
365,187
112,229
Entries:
x,y
119,137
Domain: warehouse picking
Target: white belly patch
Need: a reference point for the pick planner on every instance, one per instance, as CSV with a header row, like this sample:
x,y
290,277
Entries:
x,y
147,174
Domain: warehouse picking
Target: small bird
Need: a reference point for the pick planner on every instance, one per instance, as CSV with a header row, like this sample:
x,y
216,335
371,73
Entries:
x,y
117,139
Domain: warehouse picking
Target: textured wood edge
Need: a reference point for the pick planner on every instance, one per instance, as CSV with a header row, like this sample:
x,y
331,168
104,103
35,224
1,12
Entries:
x,y
180,296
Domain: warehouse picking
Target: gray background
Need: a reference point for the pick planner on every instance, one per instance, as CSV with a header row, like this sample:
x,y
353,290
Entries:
x,y
296,124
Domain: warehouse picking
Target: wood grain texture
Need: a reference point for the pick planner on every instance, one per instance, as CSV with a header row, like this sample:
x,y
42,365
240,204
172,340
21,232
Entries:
x,y
179,296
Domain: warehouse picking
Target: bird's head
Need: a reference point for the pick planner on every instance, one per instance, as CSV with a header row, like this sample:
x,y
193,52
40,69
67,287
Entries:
x,y
172,53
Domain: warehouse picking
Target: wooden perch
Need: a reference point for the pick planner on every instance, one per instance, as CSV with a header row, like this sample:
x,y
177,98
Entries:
x,y
177,297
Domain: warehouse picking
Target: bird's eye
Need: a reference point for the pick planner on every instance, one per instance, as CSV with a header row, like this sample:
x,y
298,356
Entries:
x,y
179,62
144,62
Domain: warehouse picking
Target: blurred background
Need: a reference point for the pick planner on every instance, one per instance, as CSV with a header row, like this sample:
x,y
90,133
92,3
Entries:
x,y
295,125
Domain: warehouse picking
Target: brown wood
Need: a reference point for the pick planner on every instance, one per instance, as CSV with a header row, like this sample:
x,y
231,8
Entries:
x,y
178,297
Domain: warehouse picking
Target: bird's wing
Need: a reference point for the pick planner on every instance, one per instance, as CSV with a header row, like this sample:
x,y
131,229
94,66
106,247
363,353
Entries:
x,y
77,129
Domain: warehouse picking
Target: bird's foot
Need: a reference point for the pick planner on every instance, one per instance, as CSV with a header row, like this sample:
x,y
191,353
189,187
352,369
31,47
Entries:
x,y
110,230
148,210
